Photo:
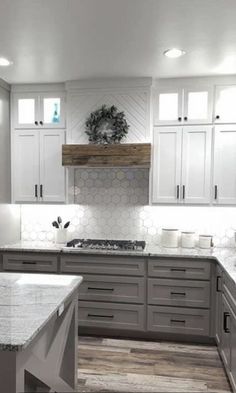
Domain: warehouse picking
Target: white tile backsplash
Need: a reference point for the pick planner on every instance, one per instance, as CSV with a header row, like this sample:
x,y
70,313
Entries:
x,y
113,204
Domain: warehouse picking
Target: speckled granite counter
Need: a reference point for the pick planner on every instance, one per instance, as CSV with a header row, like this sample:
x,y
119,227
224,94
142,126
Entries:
x,y
27,302
225,256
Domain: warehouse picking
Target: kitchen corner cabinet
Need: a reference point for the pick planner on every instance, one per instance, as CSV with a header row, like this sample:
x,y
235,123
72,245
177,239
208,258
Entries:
x,y
224,183
38,175
38,110
181,171
183,106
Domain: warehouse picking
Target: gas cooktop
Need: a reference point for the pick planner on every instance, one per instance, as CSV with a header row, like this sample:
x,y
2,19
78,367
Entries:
x,y
99,244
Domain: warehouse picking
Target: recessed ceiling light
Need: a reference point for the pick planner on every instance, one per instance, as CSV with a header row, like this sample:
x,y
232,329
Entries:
x,y
174,52
4,62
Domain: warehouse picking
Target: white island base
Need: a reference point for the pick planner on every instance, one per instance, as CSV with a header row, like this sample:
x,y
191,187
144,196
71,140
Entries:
x,y
48,362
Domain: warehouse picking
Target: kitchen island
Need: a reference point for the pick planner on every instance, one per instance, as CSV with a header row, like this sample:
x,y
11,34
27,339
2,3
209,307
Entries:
x,y
38,332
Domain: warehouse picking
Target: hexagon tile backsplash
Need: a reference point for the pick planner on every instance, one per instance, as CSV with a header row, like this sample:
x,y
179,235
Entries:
x,y
113,204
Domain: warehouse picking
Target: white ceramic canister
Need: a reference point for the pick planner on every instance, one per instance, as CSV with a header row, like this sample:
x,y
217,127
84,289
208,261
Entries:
x,y
188,239
170,237
205,241
61,236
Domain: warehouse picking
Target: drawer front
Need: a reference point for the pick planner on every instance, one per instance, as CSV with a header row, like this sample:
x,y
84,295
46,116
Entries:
x,y
179,268
112,289
30,262
112,316
178,320
91,264
183,293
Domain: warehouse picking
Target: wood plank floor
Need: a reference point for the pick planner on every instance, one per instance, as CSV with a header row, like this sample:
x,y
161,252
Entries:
x,y
112,365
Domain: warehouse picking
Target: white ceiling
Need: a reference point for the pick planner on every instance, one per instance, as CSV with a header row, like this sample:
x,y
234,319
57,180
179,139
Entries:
x,y
59,40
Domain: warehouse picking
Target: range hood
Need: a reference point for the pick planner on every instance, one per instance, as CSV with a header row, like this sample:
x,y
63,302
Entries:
x,y
107,156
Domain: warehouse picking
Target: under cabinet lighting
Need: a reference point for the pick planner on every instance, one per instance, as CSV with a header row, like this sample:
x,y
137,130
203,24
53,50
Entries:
x,y
174,53
5,62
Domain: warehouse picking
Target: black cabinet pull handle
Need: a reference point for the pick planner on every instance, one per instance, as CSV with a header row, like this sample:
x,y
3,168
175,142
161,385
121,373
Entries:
x,y
185,118
36,191
100,289
217,117
225,320
100,316
41,123
29,263
216,191
41,190
179,118
36,123
175,269
183,192
178,321
177,191
218,286
178,293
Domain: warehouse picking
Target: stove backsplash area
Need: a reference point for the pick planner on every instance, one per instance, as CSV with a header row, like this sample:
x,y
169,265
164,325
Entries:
x,y
113,204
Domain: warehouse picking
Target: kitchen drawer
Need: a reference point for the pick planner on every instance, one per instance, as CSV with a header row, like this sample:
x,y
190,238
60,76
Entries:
x,y
112,316
102,264
178,320
179,268
30,262
183,293
112,289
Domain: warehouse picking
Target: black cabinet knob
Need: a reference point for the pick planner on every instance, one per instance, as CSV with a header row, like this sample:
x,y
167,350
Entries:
x,y
36,123
185,118
41,123
179,118
217,117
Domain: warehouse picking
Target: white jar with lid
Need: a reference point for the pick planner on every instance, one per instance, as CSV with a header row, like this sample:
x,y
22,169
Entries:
x,y
188,239
170,237
205,241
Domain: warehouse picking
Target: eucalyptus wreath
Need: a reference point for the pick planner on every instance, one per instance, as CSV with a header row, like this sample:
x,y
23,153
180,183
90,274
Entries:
x,y
106,125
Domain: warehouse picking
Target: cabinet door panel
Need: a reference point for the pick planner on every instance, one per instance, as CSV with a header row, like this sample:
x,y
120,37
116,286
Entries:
x,y
52,173
166,164
52,110
225,164
225,337
218,319
225,104
25,166
169,106
196,164
198,105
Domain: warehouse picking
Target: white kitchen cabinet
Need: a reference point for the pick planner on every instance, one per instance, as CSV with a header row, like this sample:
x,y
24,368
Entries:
x,y
38,110
225,98
224,184
166,165
181,165
183,106
38,175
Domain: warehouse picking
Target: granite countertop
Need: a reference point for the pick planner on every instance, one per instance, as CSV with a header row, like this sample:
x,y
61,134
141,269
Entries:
x,y
225,256
27,302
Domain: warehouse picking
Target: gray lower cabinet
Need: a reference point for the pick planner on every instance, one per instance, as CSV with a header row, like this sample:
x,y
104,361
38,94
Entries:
x,y
113,289
179,268
178,320
218,305
181,293
30,262
112,316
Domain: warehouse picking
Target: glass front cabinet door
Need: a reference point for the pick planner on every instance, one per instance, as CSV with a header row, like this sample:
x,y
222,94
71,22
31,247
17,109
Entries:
x,y
197,108
225,104
44,110
168,108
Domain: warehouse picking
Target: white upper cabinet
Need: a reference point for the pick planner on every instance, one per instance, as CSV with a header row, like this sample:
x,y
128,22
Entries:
x,y
37,171
166,165
225,99
38,110
183,106
196,164
52,173
181,170
224,187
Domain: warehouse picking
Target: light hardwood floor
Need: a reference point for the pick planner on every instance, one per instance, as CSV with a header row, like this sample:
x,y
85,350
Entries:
x,y
112,365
